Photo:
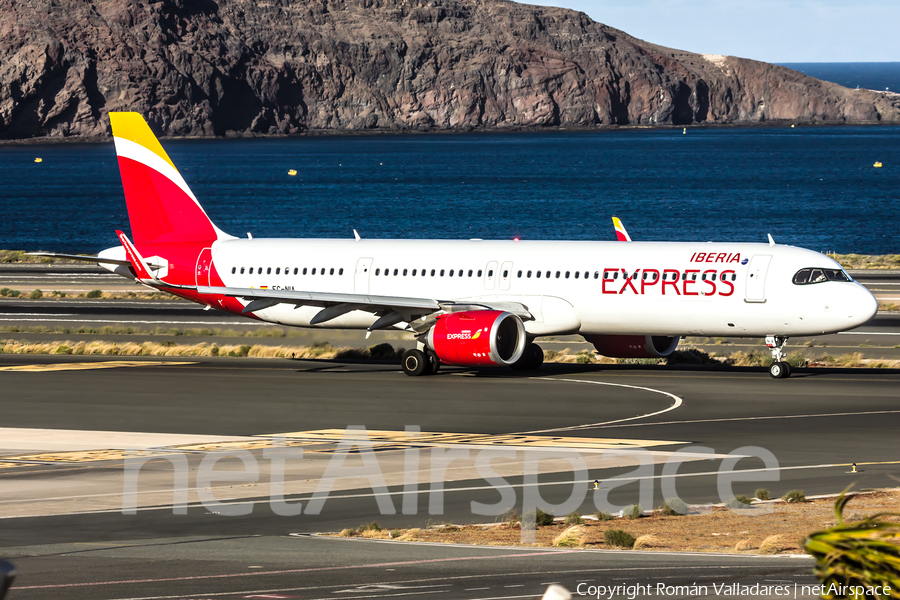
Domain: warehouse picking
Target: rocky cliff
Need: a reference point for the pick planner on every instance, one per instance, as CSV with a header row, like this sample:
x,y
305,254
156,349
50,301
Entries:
x,y
217,67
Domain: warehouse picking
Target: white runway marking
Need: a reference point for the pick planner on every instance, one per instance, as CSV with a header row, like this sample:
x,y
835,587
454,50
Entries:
x,y
868,333
846,414
677,402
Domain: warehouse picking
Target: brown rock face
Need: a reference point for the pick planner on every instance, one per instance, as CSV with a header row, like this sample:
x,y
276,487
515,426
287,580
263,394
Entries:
x,y
215,67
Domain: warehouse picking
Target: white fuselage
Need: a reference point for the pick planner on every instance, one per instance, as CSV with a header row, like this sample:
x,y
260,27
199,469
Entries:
x,y
672,288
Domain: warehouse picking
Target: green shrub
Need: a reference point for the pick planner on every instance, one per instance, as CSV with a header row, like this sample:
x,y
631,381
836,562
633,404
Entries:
x,y
94,294
36,295
5,292
739,501
762,494
583,359
634,511
573,518
794,496
373,526
63,349
602,516
674,507
618,538
541,518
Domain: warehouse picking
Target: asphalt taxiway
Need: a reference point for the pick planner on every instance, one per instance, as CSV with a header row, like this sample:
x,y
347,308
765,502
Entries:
x,y
815,424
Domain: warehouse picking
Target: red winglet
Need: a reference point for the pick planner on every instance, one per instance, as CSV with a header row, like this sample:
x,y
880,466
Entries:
x,y
135,258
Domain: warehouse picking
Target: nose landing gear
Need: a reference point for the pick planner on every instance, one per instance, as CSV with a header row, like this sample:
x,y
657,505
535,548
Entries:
x,y
779,369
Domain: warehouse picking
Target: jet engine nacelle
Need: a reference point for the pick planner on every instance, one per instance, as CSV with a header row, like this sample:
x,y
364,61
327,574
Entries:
x,y
478,338
634,346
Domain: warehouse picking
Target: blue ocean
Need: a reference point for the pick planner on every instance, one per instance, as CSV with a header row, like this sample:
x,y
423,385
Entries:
x,y
809,186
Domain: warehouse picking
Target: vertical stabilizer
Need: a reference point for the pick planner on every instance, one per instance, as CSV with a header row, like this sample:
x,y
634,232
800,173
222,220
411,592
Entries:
x,y
161,207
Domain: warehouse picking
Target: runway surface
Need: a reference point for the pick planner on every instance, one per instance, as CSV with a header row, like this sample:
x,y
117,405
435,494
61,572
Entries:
x,y
815,425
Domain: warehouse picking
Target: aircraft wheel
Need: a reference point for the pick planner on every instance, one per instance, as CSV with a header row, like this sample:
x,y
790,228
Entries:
x,y
414,363
434,363
780,370
535,356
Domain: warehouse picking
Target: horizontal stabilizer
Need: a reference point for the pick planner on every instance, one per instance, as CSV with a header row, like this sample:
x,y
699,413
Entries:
x,y
91,259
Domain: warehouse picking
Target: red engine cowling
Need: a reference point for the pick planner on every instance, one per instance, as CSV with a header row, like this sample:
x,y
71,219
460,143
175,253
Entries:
x,y
478,337
634,346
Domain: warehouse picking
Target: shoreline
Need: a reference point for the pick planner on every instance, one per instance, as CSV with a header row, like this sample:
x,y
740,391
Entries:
x,y
317,133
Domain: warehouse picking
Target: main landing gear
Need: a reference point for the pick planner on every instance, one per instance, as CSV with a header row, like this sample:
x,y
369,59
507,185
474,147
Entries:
x,y
417,362
780,369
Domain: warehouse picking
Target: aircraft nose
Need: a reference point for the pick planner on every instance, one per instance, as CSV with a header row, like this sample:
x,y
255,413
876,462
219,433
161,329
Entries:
x,y
863,306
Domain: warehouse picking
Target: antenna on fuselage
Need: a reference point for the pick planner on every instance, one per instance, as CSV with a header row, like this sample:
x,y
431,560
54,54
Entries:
x,y
356,235
771,239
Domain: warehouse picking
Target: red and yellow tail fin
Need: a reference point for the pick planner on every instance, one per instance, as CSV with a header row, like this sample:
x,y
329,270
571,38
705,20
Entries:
x,y
621,234
161,206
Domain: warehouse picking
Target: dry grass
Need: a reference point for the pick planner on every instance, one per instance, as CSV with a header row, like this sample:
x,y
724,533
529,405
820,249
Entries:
x,y
648,541
571,537
867,261
103,348
715,530
772,545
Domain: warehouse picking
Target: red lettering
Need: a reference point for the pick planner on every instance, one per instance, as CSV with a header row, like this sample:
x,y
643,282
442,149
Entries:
x,y
673,283
710,257
721,257
710,282
689,280
652,278
692,257
735,258
627,283
605,281
700,257
725,280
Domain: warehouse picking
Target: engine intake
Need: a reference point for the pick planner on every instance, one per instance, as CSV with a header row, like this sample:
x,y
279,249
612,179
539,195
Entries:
x,y
478,338
634,346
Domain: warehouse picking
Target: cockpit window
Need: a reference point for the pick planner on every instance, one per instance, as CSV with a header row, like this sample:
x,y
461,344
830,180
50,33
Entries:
x,y
808,276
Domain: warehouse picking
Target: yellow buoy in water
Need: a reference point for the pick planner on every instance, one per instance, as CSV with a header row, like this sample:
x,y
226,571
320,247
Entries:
x,y
39,159
292,172
685,130
877,165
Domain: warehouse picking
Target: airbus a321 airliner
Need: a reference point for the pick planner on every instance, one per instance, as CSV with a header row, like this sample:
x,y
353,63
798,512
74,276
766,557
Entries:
x,y
475,302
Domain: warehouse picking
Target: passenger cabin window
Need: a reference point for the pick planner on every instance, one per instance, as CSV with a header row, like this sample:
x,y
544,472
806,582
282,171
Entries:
x,y
479,272
557,274
505,274
242,270
278,271
442,272
432,272
470,272
810,276
577,274
451,272
314,271
251,270
331,272
529,274
519,275
537,274
341,272
304,270
404,272
269,271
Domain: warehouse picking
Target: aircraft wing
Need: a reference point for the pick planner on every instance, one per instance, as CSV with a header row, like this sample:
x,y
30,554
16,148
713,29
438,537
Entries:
x,y
390,309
